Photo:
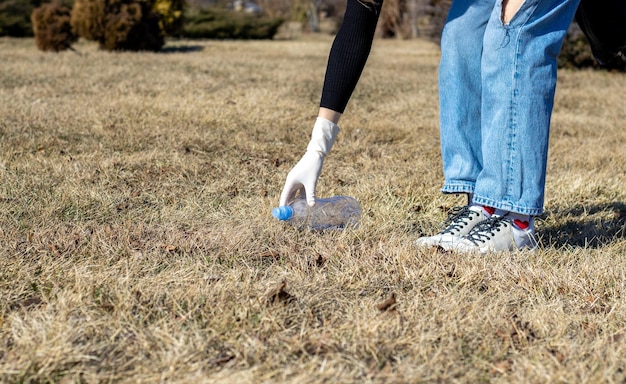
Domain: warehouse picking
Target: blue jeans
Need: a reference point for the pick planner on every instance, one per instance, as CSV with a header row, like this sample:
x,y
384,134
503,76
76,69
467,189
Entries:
x,y
496,93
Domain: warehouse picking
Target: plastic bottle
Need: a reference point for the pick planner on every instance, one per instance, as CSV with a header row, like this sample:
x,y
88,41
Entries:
x,y
336,212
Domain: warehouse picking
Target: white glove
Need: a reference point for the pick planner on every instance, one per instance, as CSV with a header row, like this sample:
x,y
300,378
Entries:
x,y
303,176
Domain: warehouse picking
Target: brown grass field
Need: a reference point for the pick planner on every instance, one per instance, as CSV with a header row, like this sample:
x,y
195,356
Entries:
x,y
137,244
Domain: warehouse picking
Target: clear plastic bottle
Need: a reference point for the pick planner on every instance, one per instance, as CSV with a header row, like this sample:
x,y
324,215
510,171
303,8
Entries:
x,y
336,212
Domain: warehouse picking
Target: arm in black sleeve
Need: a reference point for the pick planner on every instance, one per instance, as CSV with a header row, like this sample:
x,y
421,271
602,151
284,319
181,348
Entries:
x,y
349,53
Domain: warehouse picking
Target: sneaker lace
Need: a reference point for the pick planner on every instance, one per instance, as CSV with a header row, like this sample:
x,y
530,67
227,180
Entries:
x,y
486,229
456,219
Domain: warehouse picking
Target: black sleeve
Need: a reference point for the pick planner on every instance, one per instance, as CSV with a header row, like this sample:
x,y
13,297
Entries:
x,y
349,53
604,25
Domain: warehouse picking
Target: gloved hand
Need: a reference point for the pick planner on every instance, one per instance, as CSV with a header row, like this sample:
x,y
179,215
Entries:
x,y
303,176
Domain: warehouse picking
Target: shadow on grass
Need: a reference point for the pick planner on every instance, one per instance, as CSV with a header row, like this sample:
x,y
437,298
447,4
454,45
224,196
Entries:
x,y
588,231
181,49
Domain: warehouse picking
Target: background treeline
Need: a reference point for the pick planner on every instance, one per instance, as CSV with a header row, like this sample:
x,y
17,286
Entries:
x,y
144,24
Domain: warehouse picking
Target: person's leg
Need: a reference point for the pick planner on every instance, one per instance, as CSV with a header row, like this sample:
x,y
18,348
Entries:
x,y
460,105
519,81
460,93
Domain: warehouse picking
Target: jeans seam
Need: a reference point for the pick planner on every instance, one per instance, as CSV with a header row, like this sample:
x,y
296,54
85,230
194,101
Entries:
x,y
512,120
512,137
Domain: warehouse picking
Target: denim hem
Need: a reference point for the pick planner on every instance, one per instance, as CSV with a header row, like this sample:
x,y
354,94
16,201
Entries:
x,y
507,206
458,187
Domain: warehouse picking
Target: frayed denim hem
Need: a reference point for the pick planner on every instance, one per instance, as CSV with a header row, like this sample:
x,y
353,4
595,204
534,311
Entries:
x,y
456,187
507,206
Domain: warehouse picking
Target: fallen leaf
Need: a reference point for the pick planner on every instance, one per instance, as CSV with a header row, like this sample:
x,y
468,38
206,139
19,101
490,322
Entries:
x,y
54,249
389,304
272,254
278,293
31,302
560,357
211,278
501,366
169,247
503,334
221,359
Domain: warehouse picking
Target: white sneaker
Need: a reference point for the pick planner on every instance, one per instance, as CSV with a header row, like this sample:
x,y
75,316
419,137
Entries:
x,y
495,234
458,224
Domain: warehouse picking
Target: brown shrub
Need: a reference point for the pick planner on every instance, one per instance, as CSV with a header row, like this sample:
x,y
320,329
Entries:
x,y
119,25
133,28
87,19
52,28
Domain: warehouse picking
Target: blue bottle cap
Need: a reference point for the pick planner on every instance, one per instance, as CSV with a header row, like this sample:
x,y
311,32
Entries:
x,y
283,213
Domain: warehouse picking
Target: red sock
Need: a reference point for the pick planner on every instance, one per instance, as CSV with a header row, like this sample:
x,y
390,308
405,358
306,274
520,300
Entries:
x,y
489,210
521,224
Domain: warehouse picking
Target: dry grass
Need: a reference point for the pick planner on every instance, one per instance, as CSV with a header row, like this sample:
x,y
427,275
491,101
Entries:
x,y
136,242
